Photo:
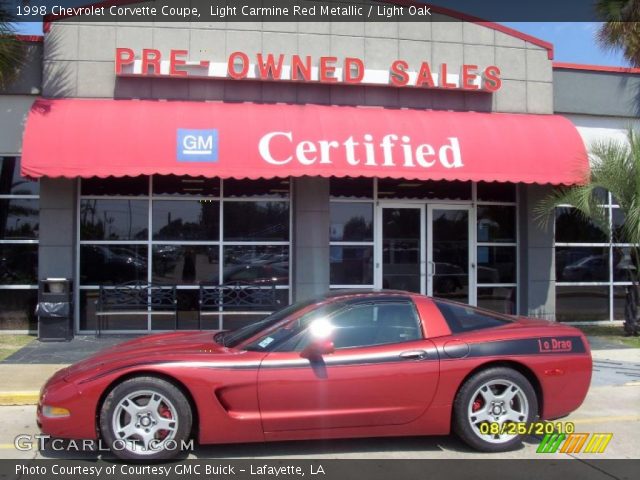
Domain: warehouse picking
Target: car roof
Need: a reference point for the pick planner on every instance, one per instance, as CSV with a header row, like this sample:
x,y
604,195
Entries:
x,y
358,295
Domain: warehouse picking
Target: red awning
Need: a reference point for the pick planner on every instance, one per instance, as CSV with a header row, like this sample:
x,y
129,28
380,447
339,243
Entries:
x,y
86,138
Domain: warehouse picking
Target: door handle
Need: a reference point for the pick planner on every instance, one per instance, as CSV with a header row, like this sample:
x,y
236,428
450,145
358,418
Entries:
x,y
414,355
433,267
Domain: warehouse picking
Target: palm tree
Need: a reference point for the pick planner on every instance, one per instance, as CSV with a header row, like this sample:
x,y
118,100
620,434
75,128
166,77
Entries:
x,y
12,50
615,167
621,30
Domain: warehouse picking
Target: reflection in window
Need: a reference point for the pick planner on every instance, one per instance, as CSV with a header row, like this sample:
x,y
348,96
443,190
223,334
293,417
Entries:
x,y
19,219
112,264
256,264
462,318
582,303
625,264
571,227
617,218
17,309
173,185
11,183
582,264
88,305
496,265
496,223
186,220
360,188
351,222
185,264
423,189
265,188
369,325
498,299
114,219
256,221
117,187
496,192
18,264
351,265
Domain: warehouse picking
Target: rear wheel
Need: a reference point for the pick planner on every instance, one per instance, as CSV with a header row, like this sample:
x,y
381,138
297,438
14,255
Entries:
x,y
145,418
489,407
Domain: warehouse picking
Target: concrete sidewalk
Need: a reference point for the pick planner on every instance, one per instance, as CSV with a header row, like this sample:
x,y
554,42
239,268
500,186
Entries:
x,y
21,382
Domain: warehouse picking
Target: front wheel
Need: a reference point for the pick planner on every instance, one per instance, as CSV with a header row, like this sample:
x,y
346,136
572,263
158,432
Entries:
x,y
145,418
489,407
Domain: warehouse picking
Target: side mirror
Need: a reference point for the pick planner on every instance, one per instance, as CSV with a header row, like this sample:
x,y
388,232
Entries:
x,y
317,349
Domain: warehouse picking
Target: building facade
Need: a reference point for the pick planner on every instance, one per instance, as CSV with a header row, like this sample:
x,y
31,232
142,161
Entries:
x,y
82,213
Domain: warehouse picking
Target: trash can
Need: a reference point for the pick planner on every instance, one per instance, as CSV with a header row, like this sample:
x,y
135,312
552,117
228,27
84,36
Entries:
x,y
55,310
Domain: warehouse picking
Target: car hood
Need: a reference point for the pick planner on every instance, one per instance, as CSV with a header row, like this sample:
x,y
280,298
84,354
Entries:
x,y
147,348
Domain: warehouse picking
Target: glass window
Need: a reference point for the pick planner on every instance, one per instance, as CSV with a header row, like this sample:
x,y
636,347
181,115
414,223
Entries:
x,y
351,222
351,265
11,183
88,305
19,219
265,188
18,264
498,299
582,303
256,221
117,187
571,227
17,309
582,264
356,188
256,264
496,264
625,266
114,219
496,192
381,324
186,220
358,326
173,185
496,223
185,264
619,302
617,218
112,264
424,189
462,318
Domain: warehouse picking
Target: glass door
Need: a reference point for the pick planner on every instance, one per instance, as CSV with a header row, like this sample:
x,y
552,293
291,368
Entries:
x,y
400,262
450,258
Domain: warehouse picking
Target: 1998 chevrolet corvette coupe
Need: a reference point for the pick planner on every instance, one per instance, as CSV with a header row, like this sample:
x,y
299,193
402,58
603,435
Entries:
x,y
348,364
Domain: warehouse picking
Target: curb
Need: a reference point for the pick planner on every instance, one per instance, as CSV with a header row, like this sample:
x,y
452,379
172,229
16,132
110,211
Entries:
x,y
18,398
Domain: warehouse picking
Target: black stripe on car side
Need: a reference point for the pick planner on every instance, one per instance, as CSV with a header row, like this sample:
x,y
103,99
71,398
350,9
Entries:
x,y
528,346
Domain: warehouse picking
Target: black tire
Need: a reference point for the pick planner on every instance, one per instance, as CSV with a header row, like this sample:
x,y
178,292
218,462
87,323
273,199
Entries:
x,y
178,407
462,423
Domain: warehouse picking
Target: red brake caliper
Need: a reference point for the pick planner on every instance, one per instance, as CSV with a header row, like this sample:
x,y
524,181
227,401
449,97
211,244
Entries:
x,y
164,413
477,405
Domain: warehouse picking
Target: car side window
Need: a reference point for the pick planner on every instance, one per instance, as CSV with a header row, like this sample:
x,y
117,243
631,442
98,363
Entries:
x,y
463,318
367,325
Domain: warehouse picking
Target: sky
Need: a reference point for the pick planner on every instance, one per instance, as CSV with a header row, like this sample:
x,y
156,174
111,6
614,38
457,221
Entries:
x,y
574,42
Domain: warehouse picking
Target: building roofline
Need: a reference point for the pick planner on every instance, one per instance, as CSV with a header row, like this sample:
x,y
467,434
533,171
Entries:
x,y
595,68
48,19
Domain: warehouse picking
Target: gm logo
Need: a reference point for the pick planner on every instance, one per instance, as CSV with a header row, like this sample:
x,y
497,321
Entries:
x,y
197,145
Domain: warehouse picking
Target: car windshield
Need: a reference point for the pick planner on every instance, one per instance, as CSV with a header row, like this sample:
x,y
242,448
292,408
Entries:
x,y
236,337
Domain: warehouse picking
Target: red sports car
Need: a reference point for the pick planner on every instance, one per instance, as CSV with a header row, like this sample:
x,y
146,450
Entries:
x,y
348,364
